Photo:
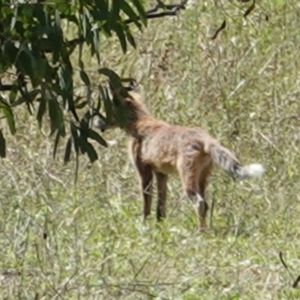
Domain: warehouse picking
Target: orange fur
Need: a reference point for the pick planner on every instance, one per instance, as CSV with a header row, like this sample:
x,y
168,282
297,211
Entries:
x,y
159,149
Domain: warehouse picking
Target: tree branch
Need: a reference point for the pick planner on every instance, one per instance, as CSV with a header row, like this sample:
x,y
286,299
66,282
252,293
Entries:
x,y
169,10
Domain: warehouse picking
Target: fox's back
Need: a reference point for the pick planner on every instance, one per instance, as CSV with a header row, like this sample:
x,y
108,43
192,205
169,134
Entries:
x,y
164,145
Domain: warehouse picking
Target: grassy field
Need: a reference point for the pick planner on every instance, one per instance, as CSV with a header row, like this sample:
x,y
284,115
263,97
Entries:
x,y
87,241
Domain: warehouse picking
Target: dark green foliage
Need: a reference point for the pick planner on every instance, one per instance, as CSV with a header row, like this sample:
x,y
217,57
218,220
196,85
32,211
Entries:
x,y
34,45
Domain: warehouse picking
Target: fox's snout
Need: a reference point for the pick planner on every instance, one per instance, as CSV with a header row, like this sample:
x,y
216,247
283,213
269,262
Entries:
x,y
103,125
100,124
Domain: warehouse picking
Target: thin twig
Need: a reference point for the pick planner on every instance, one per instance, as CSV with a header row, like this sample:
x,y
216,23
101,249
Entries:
x,y
222,27
169,10
249,10
270,142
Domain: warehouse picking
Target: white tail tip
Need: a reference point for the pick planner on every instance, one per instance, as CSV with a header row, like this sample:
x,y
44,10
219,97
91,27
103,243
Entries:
x,y
255,170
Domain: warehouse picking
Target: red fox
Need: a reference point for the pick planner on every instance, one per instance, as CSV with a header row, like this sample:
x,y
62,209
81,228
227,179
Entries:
x,y
160,149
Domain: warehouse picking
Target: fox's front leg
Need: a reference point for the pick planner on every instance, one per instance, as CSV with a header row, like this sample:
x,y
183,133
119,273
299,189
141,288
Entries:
x,y
145,174
146,178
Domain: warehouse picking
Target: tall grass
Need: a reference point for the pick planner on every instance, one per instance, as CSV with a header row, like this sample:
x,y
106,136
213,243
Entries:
x,y
87,241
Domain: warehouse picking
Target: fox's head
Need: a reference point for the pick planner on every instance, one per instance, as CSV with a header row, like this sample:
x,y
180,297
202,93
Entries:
x,y
129,108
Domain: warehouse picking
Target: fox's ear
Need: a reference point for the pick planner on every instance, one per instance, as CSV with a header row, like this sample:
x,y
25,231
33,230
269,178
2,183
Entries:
x,y
122,95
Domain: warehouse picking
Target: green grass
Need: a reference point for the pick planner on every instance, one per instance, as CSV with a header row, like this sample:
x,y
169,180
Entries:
x,y
87,241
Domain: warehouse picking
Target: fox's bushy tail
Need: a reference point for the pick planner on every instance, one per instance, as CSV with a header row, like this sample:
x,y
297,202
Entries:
x,y
231,165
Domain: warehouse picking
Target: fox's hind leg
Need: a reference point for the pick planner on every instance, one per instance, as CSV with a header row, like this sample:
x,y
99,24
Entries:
x,y
201,208
162,195
194,187
203,178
